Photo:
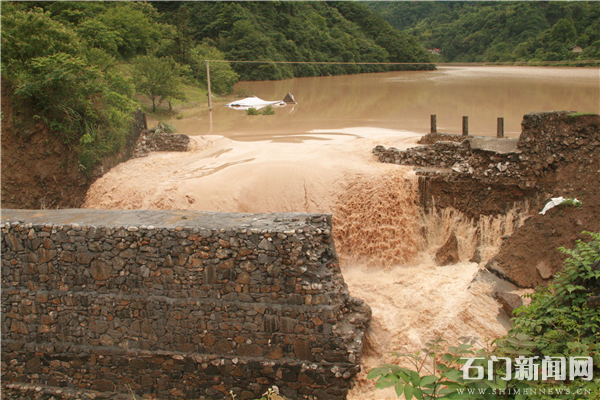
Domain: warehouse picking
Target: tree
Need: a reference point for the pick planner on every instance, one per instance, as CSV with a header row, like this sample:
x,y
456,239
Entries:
x,y
68,86
135,28
29,34
159,79
222,76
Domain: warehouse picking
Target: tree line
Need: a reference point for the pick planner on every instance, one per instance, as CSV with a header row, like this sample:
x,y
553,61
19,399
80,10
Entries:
x,y
521,31
300,31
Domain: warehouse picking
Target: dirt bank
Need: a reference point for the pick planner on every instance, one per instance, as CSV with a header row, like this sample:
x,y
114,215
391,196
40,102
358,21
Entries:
x,y
557,154
39,171
530,256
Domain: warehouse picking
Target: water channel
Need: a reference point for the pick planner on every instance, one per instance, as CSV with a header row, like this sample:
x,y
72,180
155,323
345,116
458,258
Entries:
x,y
316,157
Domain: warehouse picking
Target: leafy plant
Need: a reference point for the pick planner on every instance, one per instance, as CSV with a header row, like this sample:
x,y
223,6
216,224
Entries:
x,y
165,127
159,79
252,111
560,313
451,375
572,203
268,111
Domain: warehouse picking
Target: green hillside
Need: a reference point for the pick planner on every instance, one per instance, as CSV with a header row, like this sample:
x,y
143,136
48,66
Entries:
x,y
296,31
499,31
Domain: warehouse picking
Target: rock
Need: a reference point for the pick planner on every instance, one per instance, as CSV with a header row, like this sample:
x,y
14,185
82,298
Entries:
x,y
289,99
544,269
448,253
266,245
100,270
497,284
103,385
250,350
509,301
476,257
496,269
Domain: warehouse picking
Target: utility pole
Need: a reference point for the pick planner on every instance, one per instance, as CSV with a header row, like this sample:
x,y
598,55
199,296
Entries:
x,y
208,84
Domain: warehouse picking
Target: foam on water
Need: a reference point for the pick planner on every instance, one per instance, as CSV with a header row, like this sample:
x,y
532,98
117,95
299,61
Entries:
x,y
384,241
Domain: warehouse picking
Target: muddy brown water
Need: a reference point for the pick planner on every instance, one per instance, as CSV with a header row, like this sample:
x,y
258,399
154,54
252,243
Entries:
x,y
405,101
316,157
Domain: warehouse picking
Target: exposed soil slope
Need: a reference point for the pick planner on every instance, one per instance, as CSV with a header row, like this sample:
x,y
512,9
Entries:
x,y
38,170
530,255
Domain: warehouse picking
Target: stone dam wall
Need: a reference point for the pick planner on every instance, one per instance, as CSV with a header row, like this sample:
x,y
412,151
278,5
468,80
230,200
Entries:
x,y
175,304
471,171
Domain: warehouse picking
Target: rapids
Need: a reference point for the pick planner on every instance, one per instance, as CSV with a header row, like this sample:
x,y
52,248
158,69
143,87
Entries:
x,y
384,242
316,157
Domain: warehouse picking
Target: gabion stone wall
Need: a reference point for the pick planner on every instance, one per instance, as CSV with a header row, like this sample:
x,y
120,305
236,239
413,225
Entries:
x,y
548,139
175,304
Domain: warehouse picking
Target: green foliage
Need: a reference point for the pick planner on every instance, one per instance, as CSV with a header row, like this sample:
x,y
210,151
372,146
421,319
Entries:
x,y
300,31
77,103
267,111
562,321
499,31
572,203
445,379
559,313
33,33
222,76
165,127
159,79
69,86
130,29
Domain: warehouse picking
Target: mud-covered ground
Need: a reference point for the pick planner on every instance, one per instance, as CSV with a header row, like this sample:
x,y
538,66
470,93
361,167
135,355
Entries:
x,y
531,254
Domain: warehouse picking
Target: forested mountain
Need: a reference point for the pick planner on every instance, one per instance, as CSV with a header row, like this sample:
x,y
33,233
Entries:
x,y
295,31
499,31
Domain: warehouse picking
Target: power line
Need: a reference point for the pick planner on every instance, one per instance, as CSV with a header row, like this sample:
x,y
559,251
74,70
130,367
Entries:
x,y
530,63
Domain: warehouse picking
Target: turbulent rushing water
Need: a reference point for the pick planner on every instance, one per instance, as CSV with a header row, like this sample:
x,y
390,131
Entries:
x,y
316,157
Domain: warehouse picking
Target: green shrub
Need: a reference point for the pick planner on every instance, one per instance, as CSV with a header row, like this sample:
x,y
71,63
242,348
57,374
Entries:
x,y
268,111
559,313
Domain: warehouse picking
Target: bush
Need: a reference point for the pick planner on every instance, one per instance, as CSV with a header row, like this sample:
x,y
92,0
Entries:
x,y
68,85
159,79
561,312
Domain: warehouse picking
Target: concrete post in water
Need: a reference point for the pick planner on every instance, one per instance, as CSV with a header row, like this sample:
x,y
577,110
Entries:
x,y
433,123
466,126
500,133
208,86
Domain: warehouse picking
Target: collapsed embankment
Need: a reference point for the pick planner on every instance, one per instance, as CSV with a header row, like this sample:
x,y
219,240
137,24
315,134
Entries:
x,y
176,304
557,154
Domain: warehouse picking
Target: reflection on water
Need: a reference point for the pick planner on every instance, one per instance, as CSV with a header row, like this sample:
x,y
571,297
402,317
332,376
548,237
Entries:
x,y
405,100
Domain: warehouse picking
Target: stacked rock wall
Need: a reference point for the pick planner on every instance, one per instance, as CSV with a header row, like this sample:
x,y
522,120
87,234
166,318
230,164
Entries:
x,y
150,140
478,175
176,304
547,140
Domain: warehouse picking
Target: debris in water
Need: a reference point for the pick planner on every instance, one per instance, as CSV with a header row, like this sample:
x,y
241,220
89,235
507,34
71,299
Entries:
x,y
255,102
